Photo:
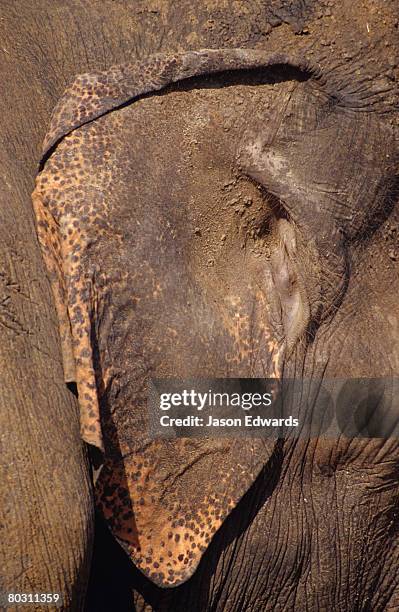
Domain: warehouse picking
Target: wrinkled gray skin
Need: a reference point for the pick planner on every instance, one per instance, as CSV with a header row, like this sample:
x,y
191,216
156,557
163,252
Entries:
x,y
318,528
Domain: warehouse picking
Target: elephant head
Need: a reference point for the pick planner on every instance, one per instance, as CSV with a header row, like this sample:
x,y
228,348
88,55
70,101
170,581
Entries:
x,y
199,215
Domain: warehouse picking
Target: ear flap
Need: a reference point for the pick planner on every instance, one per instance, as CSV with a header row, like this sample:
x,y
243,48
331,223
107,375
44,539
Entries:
x,y
164,500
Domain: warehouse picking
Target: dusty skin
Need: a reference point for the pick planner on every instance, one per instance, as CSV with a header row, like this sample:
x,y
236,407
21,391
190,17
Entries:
x,y
230,225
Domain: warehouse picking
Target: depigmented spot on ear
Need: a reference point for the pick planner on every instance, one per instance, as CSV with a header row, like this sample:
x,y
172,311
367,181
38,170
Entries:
x,y
294,303
50,242
61,244
166,531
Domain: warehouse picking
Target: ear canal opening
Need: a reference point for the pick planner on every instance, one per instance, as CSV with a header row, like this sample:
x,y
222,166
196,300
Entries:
x,y
277,207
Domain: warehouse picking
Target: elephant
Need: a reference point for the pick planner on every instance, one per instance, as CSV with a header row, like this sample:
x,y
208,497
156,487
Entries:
x,y
207,210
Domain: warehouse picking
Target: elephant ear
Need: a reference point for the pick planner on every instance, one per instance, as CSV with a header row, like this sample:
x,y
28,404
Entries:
x,y
164,500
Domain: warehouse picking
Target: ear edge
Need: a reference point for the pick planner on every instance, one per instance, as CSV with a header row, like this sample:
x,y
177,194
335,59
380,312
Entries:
x,y
123,83
76,350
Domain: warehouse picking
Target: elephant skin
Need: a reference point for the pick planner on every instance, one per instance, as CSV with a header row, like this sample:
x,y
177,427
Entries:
x,y
308,267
